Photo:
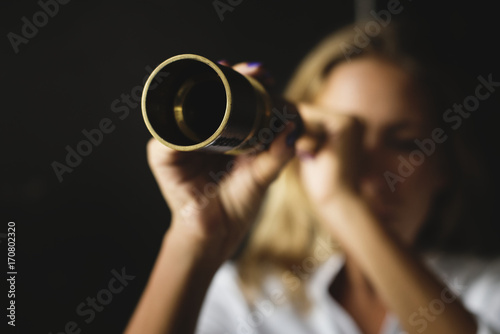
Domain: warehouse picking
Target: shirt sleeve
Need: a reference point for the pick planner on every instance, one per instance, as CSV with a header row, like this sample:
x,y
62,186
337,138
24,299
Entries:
x,y
482,298
477,283
483,328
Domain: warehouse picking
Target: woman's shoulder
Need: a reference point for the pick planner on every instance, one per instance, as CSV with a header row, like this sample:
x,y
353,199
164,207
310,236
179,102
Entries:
x,y
227,272
459,272
224,304
226,310
464,270
224,287
226,284
475,280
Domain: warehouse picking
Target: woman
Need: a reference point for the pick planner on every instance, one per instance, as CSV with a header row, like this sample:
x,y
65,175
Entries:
x,y
361,229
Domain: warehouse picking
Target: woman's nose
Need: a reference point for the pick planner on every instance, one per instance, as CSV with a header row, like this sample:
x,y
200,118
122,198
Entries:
x,y
374,164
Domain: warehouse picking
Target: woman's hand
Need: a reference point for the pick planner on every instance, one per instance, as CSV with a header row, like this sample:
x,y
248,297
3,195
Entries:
x,y
331,156
213,198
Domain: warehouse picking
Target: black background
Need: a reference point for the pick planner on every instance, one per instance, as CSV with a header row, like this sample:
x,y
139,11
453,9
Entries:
x,y
108,213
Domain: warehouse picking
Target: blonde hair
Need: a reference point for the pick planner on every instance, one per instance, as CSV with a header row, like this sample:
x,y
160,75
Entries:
x,y
287,231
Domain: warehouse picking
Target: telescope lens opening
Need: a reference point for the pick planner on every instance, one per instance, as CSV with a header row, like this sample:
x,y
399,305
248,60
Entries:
x,y
186,102
200,108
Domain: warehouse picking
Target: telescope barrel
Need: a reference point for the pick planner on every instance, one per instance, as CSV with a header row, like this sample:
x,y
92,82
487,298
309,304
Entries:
x,y
204,106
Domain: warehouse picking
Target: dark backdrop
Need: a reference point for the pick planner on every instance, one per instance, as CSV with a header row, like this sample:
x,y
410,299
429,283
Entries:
x,y
107,213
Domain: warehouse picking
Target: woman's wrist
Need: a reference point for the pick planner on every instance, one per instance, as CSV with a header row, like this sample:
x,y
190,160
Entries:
x,y
339,207
346,215
193,248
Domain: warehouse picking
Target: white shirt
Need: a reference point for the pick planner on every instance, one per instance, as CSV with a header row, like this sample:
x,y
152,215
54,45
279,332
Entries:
x,y
225,311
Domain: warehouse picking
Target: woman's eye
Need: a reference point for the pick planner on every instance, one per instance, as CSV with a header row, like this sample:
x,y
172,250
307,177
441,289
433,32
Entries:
x,y
403,145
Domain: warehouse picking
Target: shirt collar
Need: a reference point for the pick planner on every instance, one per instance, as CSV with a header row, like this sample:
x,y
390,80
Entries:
x,y
319,284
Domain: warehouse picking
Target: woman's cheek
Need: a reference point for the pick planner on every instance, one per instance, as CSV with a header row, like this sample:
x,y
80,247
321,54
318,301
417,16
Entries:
x,y
403,175
415,192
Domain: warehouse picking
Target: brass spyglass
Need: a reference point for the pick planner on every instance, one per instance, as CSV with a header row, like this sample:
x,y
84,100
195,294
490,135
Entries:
x,y
192,103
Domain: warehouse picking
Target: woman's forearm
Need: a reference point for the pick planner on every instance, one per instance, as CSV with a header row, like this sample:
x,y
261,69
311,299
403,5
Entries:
x,y
175,291
405,285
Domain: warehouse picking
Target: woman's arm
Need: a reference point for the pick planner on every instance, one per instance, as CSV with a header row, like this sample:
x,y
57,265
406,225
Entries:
x,y
403,283
173,296
206,228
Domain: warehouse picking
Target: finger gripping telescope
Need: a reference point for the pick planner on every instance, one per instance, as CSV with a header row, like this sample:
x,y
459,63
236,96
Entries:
x,y
199,105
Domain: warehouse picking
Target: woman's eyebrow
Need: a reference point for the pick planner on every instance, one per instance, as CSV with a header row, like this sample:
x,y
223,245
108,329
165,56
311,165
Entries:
x,y
406,125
